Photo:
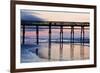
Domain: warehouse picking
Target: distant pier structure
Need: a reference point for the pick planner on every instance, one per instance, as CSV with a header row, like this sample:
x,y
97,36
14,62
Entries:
x,y
82,25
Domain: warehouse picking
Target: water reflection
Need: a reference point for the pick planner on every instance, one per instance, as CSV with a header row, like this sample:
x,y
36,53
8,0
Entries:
x,y
55,44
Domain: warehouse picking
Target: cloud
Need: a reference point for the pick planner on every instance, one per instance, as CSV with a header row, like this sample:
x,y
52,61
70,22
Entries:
x,y
27,15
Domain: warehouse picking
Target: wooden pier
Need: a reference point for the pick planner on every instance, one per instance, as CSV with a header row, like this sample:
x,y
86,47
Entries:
x,y
49,24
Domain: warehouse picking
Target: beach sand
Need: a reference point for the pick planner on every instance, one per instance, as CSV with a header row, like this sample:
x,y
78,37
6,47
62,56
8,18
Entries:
x,y
66,52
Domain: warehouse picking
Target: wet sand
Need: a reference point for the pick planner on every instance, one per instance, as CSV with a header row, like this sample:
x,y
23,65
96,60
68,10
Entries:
x,y
66,52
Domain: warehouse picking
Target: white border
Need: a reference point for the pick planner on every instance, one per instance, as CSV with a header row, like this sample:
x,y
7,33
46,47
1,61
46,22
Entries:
x,y
51,64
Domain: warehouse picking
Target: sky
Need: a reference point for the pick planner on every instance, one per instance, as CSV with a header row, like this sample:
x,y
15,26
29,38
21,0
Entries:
x,y
44,15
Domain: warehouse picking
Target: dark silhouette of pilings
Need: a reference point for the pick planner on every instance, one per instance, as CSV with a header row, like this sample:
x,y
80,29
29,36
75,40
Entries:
x,y
69,24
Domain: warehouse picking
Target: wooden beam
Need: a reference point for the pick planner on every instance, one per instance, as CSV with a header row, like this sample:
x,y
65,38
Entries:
x,y
49,51
23,34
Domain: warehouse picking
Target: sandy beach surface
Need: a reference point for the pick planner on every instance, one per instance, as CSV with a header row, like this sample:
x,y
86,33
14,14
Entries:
x,y
66,52
28,53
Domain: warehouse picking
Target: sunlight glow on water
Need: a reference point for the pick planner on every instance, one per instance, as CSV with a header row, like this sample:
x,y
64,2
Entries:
x,y
28,50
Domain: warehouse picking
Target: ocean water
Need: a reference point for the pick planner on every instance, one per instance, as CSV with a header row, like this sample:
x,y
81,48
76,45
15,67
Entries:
x,y
29,48
28,52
